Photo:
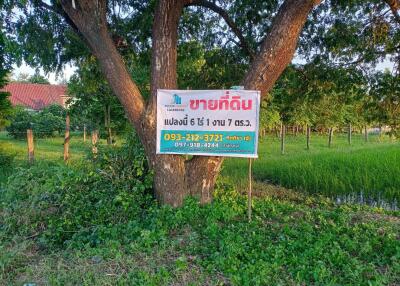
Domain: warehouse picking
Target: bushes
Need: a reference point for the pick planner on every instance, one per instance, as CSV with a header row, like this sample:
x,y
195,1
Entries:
x,y
6,160
58,204
45,123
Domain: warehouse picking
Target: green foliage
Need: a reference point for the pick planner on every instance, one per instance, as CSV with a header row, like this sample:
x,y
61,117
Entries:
x,y
93,98
6,109
292,240
75,205
386,98
5,104
6,163
46,123
38,78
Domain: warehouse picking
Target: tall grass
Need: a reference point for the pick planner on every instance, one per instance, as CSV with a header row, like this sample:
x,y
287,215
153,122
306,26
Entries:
x,y
371,168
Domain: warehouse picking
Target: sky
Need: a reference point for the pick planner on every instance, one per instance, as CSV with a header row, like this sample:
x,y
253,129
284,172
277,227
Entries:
x,y
69,71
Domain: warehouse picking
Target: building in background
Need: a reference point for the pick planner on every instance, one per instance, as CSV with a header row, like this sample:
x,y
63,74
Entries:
x,y
35,96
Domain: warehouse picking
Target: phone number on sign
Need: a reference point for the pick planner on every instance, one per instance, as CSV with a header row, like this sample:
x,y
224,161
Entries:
x,y
193,137
196,145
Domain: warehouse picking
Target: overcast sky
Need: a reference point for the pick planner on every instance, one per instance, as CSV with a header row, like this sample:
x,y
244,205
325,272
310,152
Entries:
x,y
69,70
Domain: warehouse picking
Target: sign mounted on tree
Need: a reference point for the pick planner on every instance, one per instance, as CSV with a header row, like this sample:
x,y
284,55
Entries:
x,y
208,122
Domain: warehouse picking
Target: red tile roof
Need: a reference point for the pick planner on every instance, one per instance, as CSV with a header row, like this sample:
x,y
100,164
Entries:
x,y
36,96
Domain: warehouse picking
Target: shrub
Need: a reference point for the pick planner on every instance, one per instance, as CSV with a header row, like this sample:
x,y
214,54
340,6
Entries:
x,y
45,123
60,204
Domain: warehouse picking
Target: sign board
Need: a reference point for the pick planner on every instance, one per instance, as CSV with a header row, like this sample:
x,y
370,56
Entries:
x,y
208,122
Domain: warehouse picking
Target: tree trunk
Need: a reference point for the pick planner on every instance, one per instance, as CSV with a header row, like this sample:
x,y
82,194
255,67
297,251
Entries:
x,y
366,133
330,137
174,177
349,134
283,133
308,136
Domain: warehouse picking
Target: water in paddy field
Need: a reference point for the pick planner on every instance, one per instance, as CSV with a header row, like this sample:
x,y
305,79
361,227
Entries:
x,y
360,198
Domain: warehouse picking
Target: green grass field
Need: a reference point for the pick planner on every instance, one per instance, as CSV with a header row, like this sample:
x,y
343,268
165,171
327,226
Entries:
x,y
371,168
90,222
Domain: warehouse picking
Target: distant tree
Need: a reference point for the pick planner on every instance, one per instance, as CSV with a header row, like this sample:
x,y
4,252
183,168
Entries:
x,y
94,103
46,123
386,92
38,78
6,109
35,78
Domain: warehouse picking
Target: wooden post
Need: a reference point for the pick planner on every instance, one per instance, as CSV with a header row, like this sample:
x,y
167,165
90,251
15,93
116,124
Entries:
x,y
95,137
308,136
249,200
330,136
349,134
283,132
84,133
31,147
66,138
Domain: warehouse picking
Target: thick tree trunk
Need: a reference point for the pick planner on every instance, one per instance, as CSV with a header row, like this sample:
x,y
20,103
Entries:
x,y
174,177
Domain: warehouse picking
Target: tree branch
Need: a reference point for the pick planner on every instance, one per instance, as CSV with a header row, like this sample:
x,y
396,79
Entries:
x,y
394,6
238,33
89,17
278,48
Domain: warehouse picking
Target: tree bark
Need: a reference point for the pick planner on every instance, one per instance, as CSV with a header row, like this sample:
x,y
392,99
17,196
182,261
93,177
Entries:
x,y
278,47
176,177
366,133
308,136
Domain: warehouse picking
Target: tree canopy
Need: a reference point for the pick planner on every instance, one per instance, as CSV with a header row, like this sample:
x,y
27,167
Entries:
x,y
141,46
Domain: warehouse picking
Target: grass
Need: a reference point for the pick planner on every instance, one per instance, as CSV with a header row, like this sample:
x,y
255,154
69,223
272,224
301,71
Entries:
x,y
371,168
84,224
293,240
45,148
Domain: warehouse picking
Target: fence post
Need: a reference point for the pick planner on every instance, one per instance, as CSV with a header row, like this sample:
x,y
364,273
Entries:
x,y
31,147
95,136
84,133
330,137
66,138
283,132
349,135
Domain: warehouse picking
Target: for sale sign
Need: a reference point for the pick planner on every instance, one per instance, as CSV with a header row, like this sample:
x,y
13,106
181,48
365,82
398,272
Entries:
x,y
208,122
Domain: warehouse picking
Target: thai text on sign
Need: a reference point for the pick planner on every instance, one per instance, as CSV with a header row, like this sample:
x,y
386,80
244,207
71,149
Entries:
x,y
208,122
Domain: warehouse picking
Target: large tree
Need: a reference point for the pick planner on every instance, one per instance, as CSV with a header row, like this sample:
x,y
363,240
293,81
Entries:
x,y
269,46
176,177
